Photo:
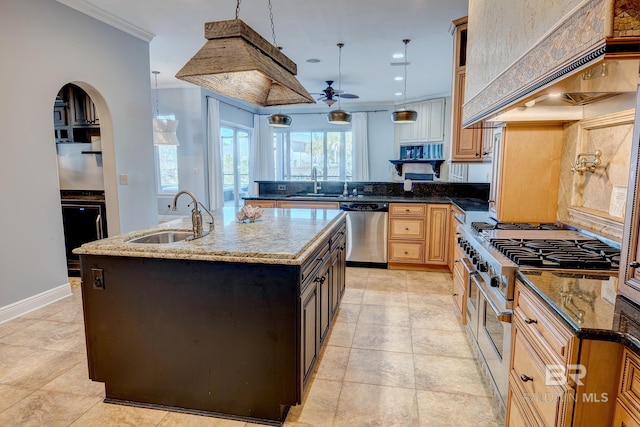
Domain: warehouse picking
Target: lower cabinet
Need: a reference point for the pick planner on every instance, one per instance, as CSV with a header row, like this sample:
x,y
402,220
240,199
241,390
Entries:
x,y
459,284
323,284
628,403
583,396
418,235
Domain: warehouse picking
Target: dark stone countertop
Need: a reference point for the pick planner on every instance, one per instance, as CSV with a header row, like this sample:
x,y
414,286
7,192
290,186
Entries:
x,y
588,305
466,204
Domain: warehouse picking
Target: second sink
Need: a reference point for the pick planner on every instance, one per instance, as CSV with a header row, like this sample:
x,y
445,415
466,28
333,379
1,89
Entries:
x,y
163,237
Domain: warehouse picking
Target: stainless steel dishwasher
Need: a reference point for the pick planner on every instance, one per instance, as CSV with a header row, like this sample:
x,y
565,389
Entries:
x,y
366,233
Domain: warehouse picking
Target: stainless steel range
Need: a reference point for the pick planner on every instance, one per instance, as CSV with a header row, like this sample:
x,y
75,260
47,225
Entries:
x,y
495,252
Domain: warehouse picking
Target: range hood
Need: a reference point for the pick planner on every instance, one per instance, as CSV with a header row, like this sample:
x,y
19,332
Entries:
x,y
565,100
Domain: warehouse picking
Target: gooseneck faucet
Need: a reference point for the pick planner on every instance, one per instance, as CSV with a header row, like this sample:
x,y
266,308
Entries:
x,y
314,177
196,215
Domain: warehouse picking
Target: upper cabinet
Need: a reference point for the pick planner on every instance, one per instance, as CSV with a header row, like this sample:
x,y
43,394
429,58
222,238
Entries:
x,y
75,117
429,127
467,145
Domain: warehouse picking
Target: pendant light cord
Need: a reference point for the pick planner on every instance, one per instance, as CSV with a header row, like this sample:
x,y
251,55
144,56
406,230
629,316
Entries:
x,y
406,42
340,45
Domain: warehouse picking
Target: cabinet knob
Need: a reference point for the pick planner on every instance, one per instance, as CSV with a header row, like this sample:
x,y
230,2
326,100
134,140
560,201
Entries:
x,y
529,321
455,295
406,253
525,378
406,228
634,264
407,210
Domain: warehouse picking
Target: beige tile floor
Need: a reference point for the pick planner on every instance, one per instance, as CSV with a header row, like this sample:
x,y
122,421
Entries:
x,y
396,356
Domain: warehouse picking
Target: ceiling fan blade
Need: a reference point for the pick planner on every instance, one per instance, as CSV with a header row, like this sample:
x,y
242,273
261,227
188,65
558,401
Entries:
x,y
347,95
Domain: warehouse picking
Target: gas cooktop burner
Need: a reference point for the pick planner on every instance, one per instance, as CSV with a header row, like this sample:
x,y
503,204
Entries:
x,y
481,226
590,254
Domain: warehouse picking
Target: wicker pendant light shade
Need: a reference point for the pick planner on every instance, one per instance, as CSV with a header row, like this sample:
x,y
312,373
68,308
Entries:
x,y
236,61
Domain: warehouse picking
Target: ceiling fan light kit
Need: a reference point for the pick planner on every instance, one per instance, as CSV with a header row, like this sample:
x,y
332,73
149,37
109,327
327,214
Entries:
x,y
279,120
403,115
236,61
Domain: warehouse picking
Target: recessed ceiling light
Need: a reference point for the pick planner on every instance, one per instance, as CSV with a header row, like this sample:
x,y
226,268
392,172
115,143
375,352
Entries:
x,y
398,55
398,94
398,78
313,60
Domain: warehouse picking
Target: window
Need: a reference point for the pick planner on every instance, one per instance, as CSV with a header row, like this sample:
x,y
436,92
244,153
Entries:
x,y
298,152
235,163
167,165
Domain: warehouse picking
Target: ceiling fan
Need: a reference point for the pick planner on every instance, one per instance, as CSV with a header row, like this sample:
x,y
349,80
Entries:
x,y
329,94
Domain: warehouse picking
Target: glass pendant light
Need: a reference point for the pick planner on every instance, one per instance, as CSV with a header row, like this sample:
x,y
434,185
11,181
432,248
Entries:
x,y
403,115
164,130
339,116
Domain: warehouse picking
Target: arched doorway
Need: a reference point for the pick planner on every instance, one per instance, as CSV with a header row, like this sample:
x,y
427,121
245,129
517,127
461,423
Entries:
x,y
77,134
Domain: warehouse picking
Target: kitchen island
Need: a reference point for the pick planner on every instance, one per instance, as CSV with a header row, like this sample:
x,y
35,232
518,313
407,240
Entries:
x,y
229,325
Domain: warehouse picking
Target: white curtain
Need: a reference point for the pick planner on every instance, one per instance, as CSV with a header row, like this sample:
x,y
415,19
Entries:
x,y
360,147
261,162
216,194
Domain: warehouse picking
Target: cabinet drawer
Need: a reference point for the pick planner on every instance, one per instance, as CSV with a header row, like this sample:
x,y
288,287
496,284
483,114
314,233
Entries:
x,y
549,402
308,205
553,337
313,263
406,252
629,391
406,228
261,203
407,209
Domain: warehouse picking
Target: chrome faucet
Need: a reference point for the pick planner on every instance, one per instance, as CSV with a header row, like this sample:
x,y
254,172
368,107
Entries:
x,y
196,216
314,177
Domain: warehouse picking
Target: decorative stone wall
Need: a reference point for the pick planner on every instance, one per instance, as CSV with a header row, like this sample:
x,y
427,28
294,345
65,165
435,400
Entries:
x,y
584,199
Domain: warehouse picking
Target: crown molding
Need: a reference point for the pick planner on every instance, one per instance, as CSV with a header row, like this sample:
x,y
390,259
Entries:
x,y
108,18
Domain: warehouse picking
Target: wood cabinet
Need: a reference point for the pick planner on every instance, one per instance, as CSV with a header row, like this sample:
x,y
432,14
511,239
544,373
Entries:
x,y
555,378
453,234
526,172
628,402
418,235
466,144
261,203
429,126
629,280
459,284
323,284
437,234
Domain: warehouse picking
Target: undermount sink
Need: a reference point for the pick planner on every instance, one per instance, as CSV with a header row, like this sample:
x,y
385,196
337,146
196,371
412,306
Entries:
x,y
163,237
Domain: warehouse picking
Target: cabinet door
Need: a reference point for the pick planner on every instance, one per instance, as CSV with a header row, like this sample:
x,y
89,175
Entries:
x,y
437,234
453,235
324,286
465,143
309,330
435,130
261,203
623,418
337,276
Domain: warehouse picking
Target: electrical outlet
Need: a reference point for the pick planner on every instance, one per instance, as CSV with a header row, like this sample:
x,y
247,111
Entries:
x,y
282,187
368,188
98,278
124,179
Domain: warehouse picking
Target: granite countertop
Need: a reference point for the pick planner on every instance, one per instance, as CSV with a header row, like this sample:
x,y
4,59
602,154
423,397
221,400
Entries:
x,y
280,236
589,305
466,204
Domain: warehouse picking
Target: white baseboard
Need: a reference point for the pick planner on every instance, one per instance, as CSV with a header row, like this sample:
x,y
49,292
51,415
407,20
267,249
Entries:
x,y
35,302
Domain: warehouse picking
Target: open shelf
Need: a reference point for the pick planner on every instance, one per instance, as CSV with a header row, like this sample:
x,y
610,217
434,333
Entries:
x,y
435,163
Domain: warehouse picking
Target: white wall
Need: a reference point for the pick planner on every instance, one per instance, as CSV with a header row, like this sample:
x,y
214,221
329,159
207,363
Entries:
x,y
45,46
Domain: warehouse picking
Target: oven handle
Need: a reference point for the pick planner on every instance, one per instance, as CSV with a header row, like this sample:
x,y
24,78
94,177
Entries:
x,y
466,263
503,316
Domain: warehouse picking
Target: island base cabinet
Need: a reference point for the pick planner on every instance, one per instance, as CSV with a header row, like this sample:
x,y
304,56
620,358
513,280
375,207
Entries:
x,y
219,337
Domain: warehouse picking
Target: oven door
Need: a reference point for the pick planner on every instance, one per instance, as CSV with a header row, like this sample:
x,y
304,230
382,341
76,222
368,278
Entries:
x,y
473,301
494,334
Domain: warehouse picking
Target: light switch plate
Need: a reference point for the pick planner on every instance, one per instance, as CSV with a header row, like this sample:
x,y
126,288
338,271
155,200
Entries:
x,y
98,278
124,179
